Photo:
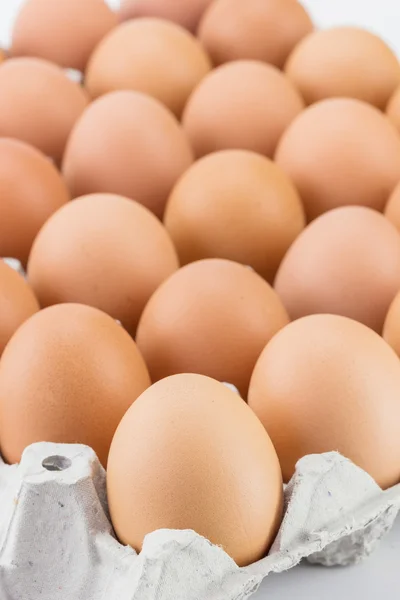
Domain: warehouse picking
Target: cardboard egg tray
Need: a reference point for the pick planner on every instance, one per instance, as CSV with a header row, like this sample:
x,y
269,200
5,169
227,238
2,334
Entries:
x,y
57,541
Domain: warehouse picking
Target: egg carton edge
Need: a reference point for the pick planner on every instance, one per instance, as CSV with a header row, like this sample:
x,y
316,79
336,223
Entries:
x,y
57,541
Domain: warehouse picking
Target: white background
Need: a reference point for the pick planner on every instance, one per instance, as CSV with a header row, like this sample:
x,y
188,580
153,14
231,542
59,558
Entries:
x,y
378,577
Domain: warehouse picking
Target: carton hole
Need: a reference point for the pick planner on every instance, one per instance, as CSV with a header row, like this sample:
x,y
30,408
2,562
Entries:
x,y
56,463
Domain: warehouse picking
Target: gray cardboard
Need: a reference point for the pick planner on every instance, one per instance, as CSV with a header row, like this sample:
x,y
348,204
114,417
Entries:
x,y
57,542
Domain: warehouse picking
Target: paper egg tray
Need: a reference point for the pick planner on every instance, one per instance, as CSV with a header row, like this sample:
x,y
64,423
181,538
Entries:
x,y
57,542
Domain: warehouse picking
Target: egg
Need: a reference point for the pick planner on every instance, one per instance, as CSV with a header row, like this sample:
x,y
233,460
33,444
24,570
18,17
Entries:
x,y
392,208
151,56
212,317
31,189
64,32
225,111
391,328
346,262
67,375
341,152
238,205
344,62
39,104
3,56
187,13
105,251
264,30
328,383
127,143
190,454
393,109
17,302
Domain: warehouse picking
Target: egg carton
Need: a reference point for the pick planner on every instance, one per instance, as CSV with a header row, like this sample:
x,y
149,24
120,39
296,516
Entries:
x,y
57,541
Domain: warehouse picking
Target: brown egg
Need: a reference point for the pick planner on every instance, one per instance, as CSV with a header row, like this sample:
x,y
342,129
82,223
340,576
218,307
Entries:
x,y
17,302
242,105
105,251
344,62
150,56
31,189
392,209
264,30
3,56
238,205
328,383
341,152
211,317
391,328
187,13
67,376
347,262
127,143
393,109
64,32
39,104
190,454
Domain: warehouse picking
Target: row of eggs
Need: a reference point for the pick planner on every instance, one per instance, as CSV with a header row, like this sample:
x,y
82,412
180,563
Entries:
x,y
122,143
323,64
337,152
187,452
111,252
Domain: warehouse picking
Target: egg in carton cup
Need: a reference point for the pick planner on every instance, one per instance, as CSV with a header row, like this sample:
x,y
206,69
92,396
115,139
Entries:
x,y
57,541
